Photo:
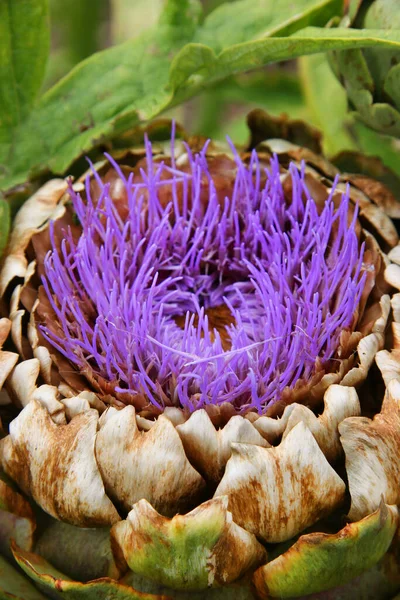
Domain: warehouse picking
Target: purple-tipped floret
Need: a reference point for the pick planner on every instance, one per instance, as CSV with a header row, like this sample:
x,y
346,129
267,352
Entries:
x,y
289,273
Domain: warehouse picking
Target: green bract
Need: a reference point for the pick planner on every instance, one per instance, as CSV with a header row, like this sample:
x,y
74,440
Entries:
x,y
371,76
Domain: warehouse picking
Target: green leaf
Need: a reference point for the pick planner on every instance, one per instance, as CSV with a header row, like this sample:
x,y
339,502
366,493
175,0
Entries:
x,y
311,40
342,132
24,35
4,224
105,94
244,20
116,89
325,96
375,144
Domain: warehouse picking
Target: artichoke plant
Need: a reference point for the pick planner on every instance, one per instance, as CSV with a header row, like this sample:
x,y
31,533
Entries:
x,y
371,76
201,357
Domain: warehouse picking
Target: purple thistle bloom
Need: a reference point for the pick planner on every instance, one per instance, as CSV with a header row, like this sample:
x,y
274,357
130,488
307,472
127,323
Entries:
x,y
134,296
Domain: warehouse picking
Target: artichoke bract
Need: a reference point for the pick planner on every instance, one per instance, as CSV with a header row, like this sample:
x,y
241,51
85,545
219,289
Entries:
x,y
371,76
201,354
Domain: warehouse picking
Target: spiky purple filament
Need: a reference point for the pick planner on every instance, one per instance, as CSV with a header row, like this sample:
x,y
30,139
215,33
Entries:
x,y
290,275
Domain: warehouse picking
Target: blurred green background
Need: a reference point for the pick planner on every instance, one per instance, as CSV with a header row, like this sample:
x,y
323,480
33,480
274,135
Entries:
x,y
303,89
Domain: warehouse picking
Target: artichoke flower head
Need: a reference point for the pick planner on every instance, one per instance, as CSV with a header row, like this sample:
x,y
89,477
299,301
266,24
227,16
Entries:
x,y
182,314
184,295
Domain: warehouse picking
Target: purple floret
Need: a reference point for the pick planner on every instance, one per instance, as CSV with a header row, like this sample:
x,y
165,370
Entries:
x,y
289,273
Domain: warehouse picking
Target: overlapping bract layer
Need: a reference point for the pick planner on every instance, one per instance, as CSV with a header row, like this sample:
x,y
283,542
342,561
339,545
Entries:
x,y
103,462
134,293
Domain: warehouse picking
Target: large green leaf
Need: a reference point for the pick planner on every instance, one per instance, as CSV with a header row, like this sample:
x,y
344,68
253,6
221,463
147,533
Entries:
x,y
24,35
104,94
310,40
238,22
116,89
